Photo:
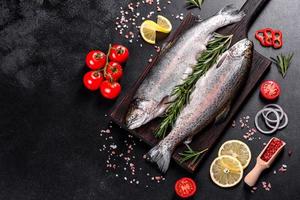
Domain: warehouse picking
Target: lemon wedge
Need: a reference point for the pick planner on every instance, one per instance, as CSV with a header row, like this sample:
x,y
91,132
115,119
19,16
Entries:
x,y
226,171
149,28
238,150
148,31
164,23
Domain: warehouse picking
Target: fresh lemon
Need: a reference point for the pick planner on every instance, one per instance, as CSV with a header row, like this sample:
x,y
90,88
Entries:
x,y
226,171
164,23
148,31
149,28
238,150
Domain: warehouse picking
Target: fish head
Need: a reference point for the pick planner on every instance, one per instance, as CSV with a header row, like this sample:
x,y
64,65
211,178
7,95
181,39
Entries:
x,y
243,48
139,113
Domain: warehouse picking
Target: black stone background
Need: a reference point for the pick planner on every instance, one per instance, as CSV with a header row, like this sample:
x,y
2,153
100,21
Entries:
x,y
49,124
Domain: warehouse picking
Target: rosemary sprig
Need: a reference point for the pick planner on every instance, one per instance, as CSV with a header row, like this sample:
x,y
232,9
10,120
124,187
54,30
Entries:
x,y
194,3
283,62
216,46
191,154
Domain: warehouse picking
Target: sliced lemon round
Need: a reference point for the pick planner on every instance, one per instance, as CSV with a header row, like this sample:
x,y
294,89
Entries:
x,y
148,31
238,150
164,23
226,171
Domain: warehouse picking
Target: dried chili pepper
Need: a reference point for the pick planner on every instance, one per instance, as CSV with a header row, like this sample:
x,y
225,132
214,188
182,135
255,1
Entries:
x,y
277,39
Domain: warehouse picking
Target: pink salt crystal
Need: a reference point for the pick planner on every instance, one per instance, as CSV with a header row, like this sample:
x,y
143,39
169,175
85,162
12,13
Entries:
x,y
269,185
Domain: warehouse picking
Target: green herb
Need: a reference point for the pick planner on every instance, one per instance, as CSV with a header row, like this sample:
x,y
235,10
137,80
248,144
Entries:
x,y
216,46
194,3
283,62
191,154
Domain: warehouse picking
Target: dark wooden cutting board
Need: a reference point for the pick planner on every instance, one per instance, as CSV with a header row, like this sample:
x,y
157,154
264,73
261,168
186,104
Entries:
x,y
208,137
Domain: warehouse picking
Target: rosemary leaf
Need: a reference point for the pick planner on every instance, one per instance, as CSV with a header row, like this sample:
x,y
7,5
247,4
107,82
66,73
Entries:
x,y
194,3
215,47
283,62
191,154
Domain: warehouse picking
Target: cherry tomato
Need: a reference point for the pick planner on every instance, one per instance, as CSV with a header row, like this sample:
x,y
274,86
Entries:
x,y
92,80
270,90
114,71
95,59
118,53
110,90
185,187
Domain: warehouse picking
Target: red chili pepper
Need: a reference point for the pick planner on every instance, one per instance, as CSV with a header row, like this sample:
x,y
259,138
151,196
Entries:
x,y
277,39
259,35
269,38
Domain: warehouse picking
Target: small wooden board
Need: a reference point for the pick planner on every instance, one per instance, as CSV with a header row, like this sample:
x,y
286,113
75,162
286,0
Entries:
x,y
208,137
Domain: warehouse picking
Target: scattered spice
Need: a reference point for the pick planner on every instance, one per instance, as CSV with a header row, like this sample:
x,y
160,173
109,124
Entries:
x,y
290,153
266,185
122,162
253,189
244,123
283,168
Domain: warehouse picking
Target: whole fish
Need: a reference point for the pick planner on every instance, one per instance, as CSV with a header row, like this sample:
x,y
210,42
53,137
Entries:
x,y
154,94
210,101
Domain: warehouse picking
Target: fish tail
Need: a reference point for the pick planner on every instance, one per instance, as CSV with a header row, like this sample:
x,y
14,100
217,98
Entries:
x,y
161,155
231,10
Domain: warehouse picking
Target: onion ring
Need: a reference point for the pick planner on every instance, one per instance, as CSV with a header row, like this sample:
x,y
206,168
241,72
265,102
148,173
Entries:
x,y
277,122
286,120
277,107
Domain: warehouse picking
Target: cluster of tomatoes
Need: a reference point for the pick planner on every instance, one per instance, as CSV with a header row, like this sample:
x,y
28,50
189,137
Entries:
x,y
106,70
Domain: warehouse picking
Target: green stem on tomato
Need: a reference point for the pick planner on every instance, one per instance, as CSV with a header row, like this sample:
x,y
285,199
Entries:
x,y
107,58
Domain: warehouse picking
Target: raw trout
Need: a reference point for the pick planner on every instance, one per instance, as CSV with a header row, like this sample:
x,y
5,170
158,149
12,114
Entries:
x,y
154,94
210,101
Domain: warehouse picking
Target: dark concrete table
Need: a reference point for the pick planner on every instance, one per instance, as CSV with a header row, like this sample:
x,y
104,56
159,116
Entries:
x,y
50,125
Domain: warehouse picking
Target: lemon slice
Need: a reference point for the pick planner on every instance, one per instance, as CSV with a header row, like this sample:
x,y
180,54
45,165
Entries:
x,y
226,171
238,150
164,23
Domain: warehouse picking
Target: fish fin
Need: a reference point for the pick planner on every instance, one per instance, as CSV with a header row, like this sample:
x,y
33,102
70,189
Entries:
x,y
162,106
188,140
221,59
229,9
222,116
161,155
